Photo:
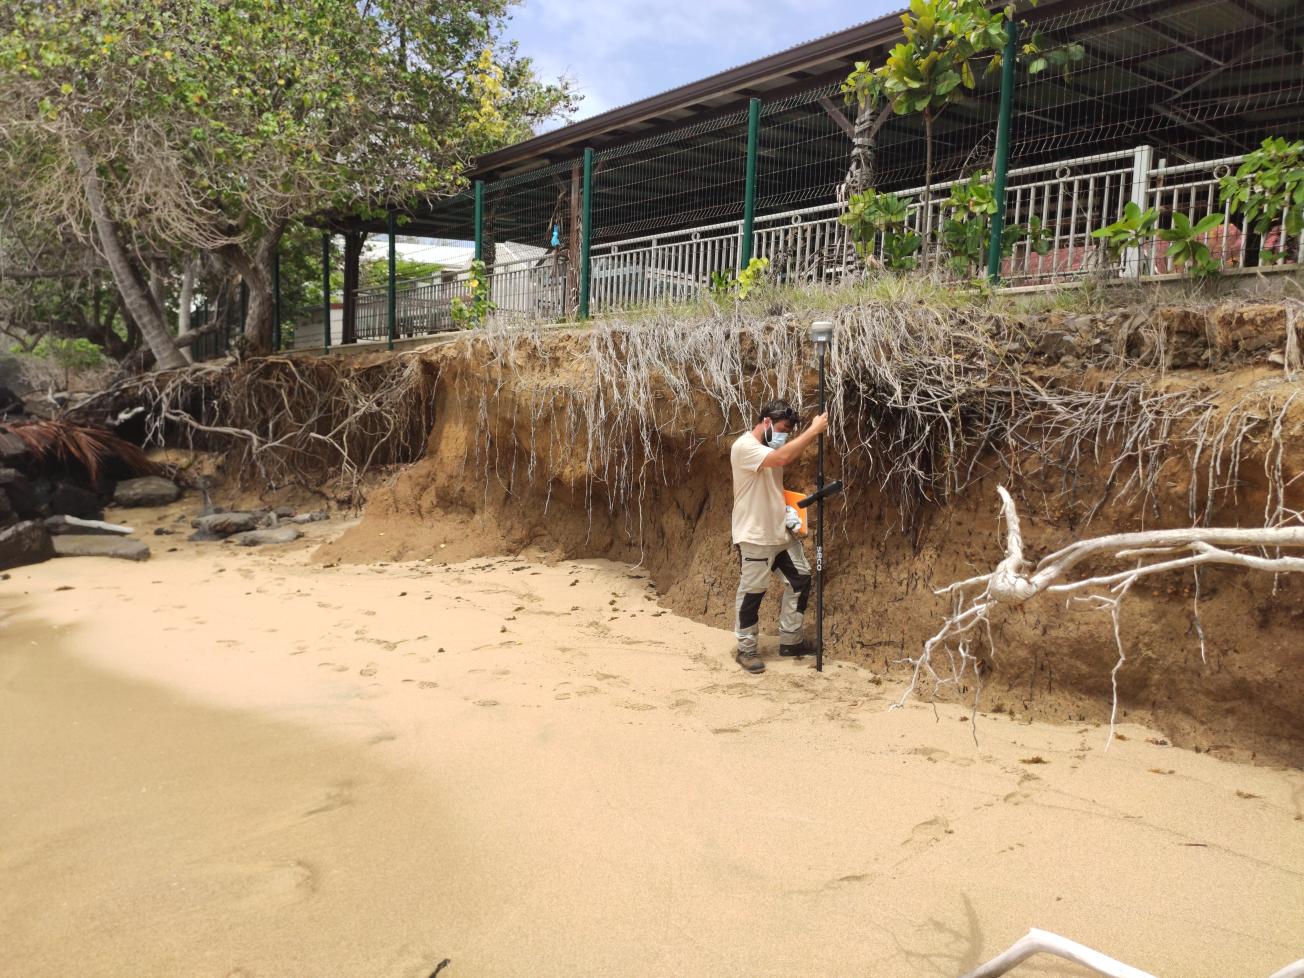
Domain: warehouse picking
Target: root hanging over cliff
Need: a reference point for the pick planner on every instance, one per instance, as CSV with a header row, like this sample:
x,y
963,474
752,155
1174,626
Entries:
x,y
924,400
293,421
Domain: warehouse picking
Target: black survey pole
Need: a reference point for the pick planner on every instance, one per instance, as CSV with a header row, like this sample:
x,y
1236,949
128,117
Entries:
x,y
821,333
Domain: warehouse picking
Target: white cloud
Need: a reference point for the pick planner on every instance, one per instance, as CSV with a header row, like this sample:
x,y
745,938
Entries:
x,y
619,51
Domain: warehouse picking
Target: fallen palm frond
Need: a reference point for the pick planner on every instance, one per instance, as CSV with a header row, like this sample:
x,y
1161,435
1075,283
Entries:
x,y
92,448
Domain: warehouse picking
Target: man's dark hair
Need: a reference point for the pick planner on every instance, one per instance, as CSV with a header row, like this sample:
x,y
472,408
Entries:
x,y
778,411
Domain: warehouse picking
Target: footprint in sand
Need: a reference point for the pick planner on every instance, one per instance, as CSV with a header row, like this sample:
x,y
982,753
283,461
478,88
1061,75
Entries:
x,y
368,670
427,684
333,666
338,795
486,702
261,886
927,834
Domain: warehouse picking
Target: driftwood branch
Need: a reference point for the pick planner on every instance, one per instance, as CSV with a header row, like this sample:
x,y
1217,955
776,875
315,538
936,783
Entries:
x,y
1014,581
1044,942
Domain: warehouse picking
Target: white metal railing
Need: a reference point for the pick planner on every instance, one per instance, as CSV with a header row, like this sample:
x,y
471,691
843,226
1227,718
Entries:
x,y
1071,199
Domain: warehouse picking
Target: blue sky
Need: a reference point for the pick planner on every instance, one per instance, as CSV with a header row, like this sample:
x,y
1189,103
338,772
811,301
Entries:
x,y
619,51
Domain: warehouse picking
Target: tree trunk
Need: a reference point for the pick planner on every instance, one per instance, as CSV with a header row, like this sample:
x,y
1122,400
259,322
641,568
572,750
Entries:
x,y
256,270
353,243
864,143
928,187
144,311
183,306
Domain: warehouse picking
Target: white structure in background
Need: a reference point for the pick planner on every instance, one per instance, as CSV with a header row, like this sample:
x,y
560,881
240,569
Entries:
x,y
1070,199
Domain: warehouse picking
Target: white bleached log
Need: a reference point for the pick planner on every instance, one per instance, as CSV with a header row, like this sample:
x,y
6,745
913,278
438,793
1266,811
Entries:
x,y
1044,942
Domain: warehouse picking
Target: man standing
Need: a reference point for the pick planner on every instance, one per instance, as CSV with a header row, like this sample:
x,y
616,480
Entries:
x,y
762,531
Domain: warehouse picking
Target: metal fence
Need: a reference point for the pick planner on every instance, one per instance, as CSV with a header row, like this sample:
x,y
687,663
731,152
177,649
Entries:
x,y
1167,100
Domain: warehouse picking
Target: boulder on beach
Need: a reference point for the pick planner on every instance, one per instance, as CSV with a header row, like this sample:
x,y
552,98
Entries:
x,y
24,543
78,545
259,538
23,498
72,500
215,526
150,490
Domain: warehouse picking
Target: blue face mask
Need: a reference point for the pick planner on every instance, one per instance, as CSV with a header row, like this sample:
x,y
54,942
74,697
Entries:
x,y
775,439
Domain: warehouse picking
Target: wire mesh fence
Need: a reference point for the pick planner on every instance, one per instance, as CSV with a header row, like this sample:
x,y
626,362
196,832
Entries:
x,y
1166,101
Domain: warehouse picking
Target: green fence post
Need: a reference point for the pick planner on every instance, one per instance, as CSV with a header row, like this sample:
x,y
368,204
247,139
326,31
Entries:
x,y
586,232
1002,163
479,220
326,292
391,296
749,193
276,300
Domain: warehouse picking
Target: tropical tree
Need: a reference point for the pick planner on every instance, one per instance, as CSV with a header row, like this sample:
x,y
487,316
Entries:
x,y
212,125
937,64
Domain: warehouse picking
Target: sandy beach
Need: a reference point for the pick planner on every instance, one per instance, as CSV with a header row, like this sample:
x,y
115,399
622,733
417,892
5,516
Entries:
x,y
231,763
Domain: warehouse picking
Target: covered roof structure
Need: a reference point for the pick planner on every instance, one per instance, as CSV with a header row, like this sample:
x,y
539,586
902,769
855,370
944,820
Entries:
x,y
1195,79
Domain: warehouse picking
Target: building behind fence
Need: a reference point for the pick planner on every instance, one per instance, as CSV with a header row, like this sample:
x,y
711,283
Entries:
x,y
1168,98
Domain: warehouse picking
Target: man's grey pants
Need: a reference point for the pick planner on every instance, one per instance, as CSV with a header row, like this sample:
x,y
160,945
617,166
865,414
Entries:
x,y
758,562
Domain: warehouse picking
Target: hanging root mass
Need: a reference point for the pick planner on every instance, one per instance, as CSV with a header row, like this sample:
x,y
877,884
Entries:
x,y
283,421
924,401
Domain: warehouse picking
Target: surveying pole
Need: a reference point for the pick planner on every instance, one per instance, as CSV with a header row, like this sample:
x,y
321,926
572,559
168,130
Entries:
x,y
821,333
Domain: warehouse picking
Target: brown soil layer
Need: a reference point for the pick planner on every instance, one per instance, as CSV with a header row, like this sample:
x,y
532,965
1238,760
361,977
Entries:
x,y
474,494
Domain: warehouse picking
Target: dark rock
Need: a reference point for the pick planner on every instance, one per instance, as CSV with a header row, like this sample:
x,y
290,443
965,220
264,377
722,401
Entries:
x,y
218,525
284,512
258,538
95,546
316,517
1055,345
63,525
22,494
152,490
10,403
162,531
12,449
24,543
72,500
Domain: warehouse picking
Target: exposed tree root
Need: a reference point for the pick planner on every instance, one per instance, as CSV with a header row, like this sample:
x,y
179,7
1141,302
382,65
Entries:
x,y
1150,552
292,421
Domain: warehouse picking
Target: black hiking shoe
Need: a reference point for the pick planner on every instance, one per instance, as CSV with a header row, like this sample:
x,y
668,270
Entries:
x,y
750,661
800,648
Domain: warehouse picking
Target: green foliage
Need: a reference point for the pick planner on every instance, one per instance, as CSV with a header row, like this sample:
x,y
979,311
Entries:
x,y
214,124
1267,184
468,314
375,274
1186,249
741,285
270,106
934,65
70,354
874,217
965,230
1134,230
752,276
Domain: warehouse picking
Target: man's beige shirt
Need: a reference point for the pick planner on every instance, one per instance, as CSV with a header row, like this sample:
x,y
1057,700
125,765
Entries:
x,y
758,495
